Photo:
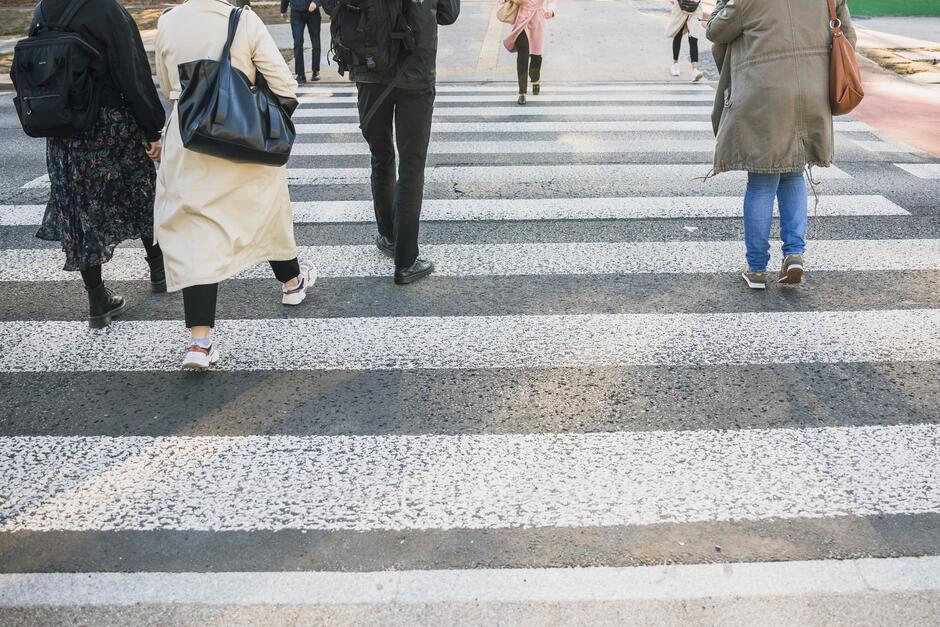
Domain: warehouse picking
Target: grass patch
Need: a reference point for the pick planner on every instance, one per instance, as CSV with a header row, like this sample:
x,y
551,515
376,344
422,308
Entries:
x,y
15,22
895,7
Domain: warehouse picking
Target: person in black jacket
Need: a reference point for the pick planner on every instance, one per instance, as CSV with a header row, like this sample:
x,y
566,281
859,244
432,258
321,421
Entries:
x,y
408,106
304,14
103,181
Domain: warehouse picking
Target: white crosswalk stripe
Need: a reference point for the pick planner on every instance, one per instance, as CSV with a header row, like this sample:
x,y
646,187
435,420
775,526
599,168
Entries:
x,y
622,208
528,259
578,364
592,480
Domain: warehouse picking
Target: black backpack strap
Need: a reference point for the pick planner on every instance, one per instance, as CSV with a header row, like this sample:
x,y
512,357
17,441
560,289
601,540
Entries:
x,y
365,119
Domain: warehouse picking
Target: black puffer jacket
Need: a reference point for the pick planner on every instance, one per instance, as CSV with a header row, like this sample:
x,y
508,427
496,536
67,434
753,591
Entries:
x,y
123,72
424,16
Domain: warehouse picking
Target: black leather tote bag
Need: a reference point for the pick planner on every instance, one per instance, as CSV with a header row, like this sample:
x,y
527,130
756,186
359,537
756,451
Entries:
x,y
223,115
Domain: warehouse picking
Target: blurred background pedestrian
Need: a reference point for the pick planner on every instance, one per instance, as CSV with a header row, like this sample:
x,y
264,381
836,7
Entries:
x,y
527,39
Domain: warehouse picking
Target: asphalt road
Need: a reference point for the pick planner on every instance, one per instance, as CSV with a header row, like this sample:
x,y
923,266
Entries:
x,y
528,435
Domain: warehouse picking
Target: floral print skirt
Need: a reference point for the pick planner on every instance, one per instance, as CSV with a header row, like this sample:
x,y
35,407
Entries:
x,y
103,187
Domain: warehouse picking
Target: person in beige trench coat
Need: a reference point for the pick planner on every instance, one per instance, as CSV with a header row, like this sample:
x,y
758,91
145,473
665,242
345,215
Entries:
x,y
214,218
682,23
772,116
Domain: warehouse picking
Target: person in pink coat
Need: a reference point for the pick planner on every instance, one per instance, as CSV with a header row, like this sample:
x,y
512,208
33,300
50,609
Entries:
x,y
526,40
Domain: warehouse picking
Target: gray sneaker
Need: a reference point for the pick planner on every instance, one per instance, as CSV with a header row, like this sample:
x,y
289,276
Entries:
x,y
791,272
754,280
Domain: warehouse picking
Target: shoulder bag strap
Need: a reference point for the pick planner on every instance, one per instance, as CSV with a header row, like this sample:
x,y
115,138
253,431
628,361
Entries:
x,y
39,17
221,111
835,24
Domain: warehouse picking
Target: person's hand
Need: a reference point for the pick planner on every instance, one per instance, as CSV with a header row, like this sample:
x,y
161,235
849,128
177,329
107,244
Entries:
x,y
284,16
549,15
313,7
154,150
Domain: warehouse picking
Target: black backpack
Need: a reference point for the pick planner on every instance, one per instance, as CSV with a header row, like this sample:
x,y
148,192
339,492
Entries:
x,y
369,35
52,74
689,6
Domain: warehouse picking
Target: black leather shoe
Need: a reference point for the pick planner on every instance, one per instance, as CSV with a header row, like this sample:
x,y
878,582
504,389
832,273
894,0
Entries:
x,y
418,270
536,89
521,99
315,77
157,274
103,305
301,79
385,245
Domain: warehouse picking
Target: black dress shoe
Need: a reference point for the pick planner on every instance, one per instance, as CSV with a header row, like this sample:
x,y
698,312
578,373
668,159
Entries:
x,y
418,270
103,305
301,79
385,245
536,88
315,77
157,274
521,99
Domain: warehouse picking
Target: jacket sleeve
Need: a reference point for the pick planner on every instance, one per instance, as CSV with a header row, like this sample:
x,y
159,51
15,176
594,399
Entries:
x,y
447,12
284,5
328,6
725,24
268,59
845,17
163,75
130,71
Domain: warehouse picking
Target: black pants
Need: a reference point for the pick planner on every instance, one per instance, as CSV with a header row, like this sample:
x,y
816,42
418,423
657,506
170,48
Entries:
x,y
527,65
398,204
92,276
300,20
199,300
677,47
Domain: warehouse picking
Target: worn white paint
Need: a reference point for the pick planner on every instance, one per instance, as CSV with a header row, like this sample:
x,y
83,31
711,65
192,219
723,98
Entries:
x,y
562,126
394,482
516,111
573,145
519,259
484,342
921,170
509,88
509,98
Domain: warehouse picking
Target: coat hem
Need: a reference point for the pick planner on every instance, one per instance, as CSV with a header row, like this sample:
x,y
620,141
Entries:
x,y
172,286
741,167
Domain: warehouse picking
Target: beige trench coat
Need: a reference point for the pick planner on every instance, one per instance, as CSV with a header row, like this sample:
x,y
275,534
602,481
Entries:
x,y
772,111
215,218
680,21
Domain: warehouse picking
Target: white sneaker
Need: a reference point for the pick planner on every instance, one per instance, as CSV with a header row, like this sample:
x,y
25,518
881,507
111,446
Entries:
x,y
200,358
675,69
296,295
697,75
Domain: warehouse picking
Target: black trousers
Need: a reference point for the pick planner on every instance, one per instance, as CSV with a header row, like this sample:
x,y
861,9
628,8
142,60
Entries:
x,y
677,47
402,119
309,21
527,65
199,301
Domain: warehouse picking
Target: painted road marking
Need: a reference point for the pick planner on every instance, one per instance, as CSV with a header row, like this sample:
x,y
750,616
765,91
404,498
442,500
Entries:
x,y
601,110
635,173
525,259
622,208
509,88
561,126
484,342
475,586
509,98
397,482
921,170
566,145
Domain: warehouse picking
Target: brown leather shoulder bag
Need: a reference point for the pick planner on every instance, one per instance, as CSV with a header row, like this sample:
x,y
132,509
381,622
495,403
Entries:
x,y
845,77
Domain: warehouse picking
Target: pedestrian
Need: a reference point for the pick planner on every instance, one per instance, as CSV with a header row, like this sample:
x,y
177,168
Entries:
x,y
686,20
526,39
102,180
215,217
401,98
772,116
304,15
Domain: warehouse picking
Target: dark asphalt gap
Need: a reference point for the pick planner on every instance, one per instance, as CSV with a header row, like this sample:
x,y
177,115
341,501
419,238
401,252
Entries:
x,y
492,295
449,402
846,537
570,231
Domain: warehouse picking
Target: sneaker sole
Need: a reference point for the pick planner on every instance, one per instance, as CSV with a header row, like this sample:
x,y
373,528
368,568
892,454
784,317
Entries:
x,y
753,285
200,365
297,299
793,276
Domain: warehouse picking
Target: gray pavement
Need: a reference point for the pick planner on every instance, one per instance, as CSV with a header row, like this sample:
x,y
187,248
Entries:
x,y
469,427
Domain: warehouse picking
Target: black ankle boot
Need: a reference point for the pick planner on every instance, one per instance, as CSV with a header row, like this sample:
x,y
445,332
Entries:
x,y
103,305
157,274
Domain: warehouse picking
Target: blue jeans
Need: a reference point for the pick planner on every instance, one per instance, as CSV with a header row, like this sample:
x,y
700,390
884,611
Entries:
x,y
790,192
309,21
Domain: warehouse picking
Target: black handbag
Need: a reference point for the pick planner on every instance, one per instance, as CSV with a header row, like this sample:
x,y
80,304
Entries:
x,y
689,6
223,115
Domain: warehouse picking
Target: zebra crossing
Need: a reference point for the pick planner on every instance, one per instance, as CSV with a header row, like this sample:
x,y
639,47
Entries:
x,y
583,390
